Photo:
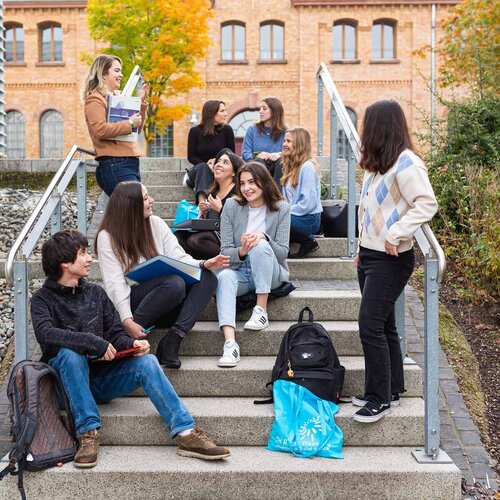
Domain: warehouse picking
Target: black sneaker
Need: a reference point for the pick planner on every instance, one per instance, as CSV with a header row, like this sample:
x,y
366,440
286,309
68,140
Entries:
x,y
307,247
361,401
372,412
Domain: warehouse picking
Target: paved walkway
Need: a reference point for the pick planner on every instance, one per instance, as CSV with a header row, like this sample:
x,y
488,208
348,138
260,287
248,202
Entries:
x,y
459,435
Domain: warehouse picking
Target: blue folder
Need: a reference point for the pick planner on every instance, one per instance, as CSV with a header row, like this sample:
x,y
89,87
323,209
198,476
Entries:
x,y
162,265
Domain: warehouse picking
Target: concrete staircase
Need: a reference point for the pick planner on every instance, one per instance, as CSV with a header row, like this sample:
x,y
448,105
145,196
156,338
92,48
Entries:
x,y
138,459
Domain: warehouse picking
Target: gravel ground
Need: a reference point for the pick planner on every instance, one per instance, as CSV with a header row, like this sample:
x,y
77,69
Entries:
x,y
15,207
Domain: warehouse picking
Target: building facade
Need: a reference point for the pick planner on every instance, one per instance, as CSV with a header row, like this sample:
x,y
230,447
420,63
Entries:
x,y
260,48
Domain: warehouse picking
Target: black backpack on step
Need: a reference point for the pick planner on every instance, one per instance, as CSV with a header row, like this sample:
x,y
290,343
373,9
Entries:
x,y
41,436
308,358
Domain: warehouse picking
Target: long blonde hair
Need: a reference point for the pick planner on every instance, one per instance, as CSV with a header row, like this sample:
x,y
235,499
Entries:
x,y
95,79
302,152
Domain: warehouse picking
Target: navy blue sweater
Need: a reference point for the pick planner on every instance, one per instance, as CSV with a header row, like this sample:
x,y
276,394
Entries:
x,y
80,318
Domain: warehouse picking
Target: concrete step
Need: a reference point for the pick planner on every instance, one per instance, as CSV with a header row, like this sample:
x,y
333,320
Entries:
x,y
166,209
162,178
321,268
239,422
327,305
253,473
205,339
148,164
200,376
173,193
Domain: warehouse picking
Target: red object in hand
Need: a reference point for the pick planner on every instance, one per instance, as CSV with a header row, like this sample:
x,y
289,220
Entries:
x,y
122,354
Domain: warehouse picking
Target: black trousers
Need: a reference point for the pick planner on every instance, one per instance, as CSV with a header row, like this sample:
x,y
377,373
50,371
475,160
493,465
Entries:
x,y
201,177
167,301
382,278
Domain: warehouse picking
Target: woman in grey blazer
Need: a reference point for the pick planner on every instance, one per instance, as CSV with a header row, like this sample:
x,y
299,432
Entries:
x,y
255,229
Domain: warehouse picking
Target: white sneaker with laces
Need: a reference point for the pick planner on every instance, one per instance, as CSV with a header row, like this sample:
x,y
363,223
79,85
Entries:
x,y
258,321
185,180
231,356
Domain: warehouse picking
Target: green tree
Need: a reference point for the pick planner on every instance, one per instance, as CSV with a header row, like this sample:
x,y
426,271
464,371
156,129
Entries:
x,y
470,45
165,38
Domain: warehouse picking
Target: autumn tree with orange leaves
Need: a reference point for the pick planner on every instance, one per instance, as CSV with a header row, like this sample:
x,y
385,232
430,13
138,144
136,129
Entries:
x,y
165,38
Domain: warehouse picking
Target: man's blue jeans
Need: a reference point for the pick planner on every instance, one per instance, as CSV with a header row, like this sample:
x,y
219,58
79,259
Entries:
x,y
88,383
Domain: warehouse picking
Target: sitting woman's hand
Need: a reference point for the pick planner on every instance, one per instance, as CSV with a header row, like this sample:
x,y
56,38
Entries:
x,y
133,328
203,206
274,156
251,240
263,155
144,345
211,164
215,203
217,262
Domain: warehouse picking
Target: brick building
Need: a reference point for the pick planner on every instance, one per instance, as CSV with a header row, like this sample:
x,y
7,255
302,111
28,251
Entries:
x,y
260,48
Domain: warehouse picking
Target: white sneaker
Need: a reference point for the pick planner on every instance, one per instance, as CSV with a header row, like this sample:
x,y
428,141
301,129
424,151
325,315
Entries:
x,y
185,180
258,321
231,356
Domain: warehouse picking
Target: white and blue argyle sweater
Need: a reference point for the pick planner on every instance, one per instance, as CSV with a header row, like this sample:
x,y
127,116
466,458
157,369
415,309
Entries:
x,y
394,205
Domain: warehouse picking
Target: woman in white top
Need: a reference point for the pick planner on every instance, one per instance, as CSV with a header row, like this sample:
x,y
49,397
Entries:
x,y
130,234
255,227
396,199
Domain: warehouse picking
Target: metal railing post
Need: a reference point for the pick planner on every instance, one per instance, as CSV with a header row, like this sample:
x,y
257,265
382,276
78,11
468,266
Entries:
x,y
320,116
56,219
351,203
21,310
333,189
399,310
81,197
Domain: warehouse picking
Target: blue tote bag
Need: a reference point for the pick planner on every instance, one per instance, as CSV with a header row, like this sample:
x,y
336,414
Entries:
x,y
303,423
185,211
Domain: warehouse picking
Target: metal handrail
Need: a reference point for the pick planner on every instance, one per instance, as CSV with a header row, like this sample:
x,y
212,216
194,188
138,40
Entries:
x,y
9,262
354,142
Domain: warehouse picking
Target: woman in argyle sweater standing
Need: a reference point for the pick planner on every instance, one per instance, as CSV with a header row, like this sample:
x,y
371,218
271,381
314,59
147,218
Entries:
x,y
396,199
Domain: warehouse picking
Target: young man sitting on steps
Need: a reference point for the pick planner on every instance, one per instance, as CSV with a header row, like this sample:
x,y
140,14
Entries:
x,y
73,321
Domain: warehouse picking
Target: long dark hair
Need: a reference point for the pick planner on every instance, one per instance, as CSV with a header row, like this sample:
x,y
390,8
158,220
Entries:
x,y
236,162
277,118
208,112
384,136
130,233
264,181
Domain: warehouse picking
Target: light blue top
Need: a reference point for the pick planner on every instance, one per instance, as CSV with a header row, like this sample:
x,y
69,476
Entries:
x,y
305,198
255,142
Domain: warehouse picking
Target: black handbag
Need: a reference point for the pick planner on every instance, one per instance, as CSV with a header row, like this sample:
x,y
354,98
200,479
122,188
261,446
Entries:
x,y
198,225
334,221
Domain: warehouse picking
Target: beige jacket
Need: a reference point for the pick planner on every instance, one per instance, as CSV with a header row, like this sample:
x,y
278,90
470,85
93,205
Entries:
x,y
102,132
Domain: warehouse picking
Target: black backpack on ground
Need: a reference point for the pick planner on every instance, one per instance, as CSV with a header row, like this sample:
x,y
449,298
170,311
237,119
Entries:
x,y
308,358
41,436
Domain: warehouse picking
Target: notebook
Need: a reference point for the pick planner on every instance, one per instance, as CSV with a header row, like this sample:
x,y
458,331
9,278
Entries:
x,y
121,108
161,265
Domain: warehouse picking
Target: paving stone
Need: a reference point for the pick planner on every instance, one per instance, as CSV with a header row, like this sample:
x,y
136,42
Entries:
x,y
480,471
452,445
459,411
469,437
460,461
447,374
454,399
465,424
477,454
448,432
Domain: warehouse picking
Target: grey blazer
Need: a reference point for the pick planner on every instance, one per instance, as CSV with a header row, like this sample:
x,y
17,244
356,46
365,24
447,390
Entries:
x,y
233,224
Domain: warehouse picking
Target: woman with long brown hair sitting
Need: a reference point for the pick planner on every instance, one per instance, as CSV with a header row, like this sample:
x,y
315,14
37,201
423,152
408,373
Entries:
x,y
130,234
206,244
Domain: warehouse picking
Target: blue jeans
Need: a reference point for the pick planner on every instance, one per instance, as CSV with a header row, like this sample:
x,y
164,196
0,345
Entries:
x,y
112,170
259,272
88,383
382,278
304,226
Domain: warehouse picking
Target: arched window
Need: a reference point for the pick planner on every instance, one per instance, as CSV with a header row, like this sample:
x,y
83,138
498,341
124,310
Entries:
x,y
162,145
240,124
384,39
51,135
342,142
233,41
14,122
272,41
50,41
344,40
14,42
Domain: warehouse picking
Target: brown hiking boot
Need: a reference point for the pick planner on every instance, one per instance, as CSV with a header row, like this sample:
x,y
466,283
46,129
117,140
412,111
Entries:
x,y
86,456
198,445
